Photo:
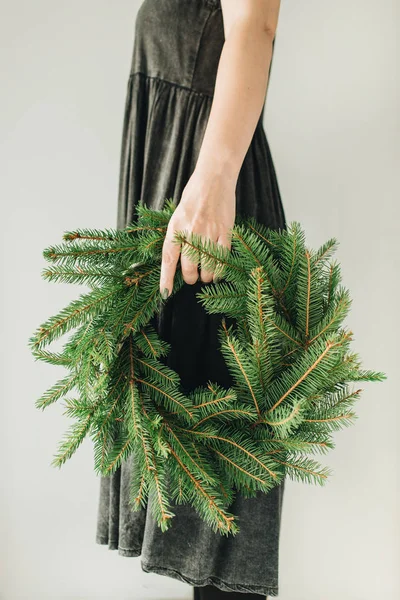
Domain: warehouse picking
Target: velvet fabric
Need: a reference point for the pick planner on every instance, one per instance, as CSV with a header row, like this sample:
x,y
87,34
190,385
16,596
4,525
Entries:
x,y
177,44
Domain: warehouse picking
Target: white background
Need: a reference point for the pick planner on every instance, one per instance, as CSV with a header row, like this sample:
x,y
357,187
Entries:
x,y
332,121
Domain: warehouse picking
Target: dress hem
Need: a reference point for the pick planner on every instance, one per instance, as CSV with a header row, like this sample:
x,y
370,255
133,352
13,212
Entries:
x,y
267,590
264,590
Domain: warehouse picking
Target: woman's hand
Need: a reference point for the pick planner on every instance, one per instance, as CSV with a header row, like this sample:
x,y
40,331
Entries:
x,y
207,208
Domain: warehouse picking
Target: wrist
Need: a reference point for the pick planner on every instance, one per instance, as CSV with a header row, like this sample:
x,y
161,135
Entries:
x,y
212,166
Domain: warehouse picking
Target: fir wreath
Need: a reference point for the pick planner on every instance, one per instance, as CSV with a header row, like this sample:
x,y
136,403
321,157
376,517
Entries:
x,y
287,352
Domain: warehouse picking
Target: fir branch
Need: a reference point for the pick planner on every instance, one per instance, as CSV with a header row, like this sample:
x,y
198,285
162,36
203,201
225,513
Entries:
x,y
76,313
57,391
91,276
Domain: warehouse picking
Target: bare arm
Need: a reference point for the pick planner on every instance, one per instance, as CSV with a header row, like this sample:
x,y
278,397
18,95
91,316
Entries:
x,y
207,205
240,85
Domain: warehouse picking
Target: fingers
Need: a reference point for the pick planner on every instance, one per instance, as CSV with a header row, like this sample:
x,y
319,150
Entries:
x,y
224,240
189,268
169,259
218,238
205,275
171,252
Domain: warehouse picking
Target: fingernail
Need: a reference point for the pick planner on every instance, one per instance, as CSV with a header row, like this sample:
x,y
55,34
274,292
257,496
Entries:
x,y
164,294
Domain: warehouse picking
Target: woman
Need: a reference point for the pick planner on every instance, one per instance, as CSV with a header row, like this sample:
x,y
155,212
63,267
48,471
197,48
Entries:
x,y
193,131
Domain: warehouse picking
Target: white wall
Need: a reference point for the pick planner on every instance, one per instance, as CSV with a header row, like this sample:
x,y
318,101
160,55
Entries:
x,y
333,127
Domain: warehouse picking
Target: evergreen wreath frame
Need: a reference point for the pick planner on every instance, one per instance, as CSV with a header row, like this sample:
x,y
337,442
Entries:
x,y
287,351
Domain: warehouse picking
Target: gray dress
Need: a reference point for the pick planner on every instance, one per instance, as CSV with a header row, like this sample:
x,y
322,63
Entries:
x,y
176,50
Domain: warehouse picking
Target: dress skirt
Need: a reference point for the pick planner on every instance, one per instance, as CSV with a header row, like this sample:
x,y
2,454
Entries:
x,y
177,45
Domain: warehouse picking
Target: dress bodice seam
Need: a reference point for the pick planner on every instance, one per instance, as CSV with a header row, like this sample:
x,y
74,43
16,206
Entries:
x,y
172,83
